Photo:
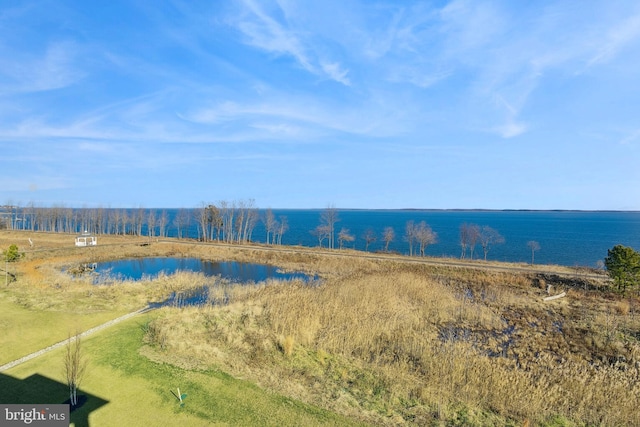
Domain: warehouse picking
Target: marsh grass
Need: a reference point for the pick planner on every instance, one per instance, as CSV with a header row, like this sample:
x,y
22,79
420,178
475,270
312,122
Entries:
x,y
388,341
409,344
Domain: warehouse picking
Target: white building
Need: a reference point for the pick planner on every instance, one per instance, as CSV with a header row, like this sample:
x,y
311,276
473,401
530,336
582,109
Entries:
x,y
86,239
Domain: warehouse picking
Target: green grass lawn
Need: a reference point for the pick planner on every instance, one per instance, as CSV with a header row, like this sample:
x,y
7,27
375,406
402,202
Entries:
x,y
126,388
26,331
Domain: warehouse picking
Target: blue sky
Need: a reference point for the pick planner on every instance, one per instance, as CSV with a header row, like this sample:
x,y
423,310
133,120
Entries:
x,y
302,104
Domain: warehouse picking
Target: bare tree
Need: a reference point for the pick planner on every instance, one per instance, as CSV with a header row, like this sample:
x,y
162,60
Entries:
x,y
410,235
424,235
328,218
203,221
125,222
242,220
369,237
321,232
139,220
215,222
210,222
247,220
151,223
345,236
388,235
100,221
180,222
228,213
162,223
472,235
464,239
114,221
489,237
534,246
282,227
75,366
270,225
68,220
31,214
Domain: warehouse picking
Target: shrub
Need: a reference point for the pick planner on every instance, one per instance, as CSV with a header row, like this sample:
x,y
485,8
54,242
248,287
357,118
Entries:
x,y
623,265
12,254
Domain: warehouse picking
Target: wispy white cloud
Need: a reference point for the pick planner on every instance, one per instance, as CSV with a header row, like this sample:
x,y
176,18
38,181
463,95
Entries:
x,y
336,72
55,68
265,32
97,147
617,37
469,25
273,32
31,183
631,138
422,77
510,129
304,116
240,82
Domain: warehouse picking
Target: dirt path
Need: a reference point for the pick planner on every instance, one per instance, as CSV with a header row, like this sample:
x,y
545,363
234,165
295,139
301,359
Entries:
x,y
68,340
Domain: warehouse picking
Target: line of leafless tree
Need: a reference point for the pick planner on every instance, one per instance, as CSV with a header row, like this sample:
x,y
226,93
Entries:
x,y
326,229
61,219
472,234
417,235
233,222
420,235
274,228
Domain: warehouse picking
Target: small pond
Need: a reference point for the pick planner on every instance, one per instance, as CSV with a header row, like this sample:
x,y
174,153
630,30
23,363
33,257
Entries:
x,y
149,268
139,268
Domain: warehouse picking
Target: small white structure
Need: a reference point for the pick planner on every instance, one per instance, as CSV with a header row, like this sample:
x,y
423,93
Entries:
x,y
86,239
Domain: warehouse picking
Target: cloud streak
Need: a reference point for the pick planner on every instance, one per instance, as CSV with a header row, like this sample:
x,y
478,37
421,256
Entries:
x,y
400,90
276,34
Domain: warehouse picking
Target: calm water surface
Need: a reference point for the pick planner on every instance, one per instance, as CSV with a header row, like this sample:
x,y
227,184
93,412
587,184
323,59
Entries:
x,y
572,238
138,268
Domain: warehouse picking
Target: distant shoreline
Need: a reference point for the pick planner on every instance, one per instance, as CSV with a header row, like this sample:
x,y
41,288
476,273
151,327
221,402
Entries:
x,y
3,208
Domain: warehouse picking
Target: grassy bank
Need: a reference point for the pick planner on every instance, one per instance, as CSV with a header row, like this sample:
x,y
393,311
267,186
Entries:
x,y
127,388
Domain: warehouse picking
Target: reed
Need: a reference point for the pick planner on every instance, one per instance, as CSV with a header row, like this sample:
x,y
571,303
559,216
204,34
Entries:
x,y
388,341
413,344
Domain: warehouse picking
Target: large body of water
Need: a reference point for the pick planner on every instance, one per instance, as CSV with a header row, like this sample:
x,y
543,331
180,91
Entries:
x,y
571,238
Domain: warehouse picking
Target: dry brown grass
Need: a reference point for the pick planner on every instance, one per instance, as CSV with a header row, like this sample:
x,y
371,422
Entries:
x,y
390,341
406,343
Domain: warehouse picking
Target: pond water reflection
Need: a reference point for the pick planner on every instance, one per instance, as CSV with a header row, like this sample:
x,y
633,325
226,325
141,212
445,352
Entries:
x,y
231,271
143,268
